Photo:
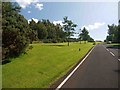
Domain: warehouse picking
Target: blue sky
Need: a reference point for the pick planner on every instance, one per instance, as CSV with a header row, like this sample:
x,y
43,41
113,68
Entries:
x,y
95,16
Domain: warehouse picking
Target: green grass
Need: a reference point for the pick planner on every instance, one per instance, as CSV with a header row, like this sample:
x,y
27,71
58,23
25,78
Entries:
x,y
0,76
42,65
115,45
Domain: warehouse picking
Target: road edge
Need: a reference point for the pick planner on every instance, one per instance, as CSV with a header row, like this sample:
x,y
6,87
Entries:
x,y
61,81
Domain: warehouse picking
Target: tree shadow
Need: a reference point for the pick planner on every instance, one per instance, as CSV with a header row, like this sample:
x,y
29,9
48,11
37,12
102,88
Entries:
x,y
56,45
5,61
114,46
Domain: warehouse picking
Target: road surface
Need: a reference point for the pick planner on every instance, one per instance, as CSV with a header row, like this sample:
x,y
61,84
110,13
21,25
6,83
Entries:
x,y
99,70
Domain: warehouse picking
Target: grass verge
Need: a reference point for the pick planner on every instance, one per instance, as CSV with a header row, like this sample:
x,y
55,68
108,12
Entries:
x,y
42,65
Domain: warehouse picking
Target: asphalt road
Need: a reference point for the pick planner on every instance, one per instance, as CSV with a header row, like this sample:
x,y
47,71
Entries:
x,y
99,70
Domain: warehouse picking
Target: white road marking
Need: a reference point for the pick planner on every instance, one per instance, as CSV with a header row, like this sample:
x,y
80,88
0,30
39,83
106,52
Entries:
x,y
107,49
65,80
118,59
112,53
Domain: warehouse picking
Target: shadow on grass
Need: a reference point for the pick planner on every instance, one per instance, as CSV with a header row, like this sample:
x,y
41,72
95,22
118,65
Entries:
x,y
5,61
114,46
8,60
55,45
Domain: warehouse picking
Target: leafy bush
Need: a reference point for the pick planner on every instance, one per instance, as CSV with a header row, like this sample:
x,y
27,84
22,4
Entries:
x,y
15,34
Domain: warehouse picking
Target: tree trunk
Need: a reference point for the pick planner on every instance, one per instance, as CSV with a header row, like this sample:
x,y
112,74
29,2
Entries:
x,y
68,43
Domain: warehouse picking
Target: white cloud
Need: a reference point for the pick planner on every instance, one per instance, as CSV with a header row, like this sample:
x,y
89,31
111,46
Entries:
x,y
26,3
39,6
94,26
29,11
58,22
36,20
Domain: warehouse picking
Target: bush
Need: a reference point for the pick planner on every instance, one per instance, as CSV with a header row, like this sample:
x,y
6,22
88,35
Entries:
x,y
14,43
15,31
54,41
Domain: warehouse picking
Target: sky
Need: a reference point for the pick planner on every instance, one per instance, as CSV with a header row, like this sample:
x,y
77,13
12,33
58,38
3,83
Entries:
x,y
95,16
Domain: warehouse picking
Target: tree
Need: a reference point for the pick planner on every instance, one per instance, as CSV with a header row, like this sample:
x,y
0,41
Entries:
x,y
80,38
47,31
84,35
113,33
69,27
42,31
15,31
33,36
118,33
90,39
60,34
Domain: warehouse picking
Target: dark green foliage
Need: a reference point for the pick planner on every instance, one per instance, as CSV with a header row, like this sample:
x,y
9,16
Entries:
x,y
90,39
15,34
84,36
118,34
47,31
114,33
13,42
42,31
32,35
69,27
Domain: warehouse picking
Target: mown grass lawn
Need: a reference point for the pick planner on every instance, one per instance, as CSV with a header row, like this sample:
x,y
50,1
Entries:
x,y
42,65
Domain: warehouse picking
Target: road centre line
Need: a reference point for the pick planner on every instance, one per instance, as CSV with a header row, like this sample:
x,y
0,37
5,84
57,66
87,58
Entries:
x,y
112,53
118,59
107,49
65,80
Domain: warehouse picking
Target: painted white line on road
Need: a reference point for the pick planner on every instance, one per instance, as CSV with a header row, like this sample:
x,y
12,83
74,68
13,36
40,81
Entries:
x,y
109,51
112,53
106,48
65,80
118,59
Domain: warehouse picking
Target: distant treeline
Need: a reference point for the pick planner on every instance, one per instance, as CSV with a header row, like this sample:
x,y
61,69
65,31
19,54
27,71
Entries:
x,y
17,34
47,31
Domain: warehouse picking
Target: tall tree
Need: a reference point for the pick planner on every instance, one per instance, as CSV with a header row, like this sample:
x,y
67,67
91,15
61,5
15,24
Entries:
x,y
84,35
41,30
15,30
80,38
69,27
113,34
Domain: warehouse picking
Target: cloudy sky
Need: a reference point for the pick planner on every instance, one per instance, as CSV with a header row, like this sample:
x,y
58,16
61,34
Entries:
x,y
95,16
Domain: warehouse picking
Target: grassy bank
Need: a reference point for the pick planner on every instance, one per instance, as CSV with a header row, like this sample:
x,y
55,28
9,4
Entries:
x,y
42,65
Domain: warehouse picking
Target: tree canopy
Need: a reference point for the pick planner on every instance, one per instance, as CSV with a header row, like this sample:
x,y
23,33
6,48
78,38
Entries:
x,y
17,33
69,27
15,30
113,33
84,35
